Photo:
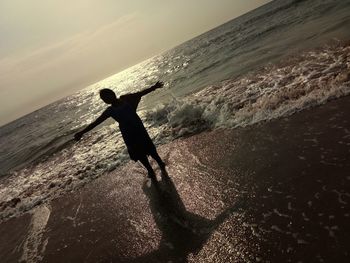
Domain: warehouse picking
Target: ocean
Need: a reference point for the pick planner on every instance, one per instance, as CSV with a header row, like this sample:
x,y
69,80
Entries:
x,y
282,58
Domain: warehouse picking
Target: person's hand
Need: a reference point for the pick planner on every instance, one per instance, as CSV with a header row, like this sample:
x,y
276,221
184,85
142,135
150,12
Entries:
x,y
78,136
158,85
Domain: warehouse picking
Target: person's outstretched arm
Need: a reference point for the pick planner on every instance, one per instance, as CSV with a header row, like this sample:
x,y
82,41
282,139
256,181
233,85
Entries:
x,y
98,121
134,98
150,89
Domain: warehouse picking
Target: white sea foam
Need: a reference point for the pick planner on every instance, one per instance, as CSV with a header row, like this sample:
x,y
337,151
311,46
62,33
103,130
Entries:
x,y
275,92
33,246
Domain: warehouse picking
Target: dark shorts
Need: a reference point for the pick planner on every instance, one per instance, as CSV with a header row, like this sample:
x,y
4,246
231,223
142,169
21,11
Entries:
x,y
139,151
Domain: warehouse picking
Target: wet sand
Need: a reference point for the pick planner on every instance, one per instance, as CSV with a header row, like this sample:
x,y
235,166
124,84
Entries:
x,y
274,192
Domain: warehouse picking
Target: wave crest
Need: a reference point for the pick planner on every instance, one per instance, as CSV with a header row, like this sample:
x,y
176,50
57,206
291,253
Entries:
x,y
274,92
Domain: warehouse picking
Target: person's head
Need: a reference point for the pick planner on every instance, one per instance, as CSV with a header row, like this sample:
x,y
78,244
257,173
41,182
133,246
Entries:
x,y
108,96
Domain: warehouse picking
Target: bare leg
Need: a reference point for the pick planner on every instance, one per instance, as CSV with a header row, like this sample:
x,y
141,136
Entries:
x,y
147,165
160,162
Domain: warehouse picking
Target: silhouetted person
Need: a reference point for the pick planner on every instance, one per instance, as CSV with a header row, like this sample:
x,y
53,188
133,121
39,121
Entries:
x,y
135,136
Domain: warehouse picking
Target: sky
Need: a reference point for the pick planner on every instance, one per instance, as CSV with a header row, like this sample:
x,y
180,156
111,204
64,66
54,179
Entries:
x,y
52,48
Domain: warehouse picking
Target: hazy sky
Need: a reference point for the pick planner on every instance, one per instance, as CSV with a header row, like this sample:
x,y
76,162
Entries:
x,y
51,48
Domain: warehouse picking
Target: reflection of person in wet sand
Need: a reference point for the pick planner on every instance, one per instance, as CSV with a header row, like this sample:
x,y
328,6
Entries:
x,y
182,232
135,136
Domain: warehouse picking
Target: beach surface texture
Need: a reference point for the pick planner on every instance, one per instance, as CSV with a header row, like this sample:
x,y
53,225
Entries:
x,y
278,191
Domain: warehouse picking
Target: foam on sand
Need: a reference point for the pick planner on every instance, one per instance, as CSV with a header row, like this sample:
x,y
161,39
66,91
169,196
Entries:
x,y
33,246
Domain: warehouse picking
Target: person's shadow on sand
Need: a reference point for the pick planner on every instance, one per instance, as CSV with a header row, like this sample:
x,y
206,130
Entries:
x,y
182,231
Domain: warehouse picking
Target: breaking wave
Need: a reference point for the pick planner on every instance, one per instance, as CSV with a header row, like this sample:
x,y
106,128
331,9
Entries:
x,y
275,91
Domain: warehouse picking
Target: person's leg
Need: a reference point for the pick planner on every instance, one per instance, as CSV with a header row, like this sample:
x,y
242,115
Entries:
x,y
156,157
147,165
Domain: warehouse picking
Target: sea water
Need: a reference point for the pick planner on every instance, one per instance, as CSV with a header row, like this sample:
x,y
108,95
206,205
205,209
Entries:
x,y
274,61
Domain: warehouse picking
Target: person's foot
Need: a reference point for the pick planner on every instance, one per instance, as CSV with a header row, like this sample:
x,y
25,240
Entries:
x,y
162,166
152,175
164,174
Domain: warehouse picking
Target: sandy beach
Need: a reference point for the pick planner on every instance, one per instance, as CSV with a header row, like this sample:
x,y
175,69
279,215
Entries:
x,y
274,192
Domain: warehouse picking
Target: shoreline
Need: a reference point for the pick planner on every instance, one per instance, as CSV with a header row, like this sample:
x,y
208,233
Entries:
x,y
276,191
234,103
